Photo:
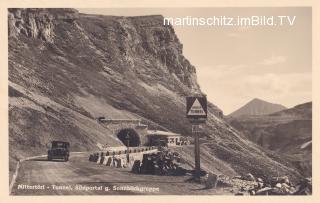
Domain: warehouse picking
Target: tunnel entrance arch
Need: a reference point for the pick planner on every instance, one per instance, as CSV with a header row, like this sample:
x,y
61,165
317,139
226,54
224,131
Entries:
x,y
129,137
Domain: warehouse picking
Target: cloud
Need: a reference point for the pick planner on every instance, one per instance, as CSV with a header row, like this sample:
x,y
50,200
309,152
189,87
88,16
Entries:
x,y
273,60
230,87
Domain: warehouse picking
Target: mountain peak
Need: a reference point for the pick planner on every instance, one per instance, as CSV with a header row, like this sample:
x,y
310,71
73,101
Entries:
x,y
257,107
257,100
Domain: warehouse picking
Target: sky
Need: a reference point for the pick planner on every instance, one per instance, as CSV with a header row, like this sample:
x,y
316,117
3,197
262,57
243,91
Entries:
x,y
237,64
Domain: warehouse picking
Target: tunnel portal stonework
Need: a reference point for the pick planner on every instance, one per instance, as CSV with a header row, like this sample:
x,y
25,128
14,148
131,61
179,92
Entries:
x,y
132,127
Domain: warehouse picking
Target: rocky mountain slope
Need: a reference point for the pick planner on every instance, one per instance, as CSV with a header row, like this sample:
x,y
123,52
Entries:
x,y
67,68
257,107
287,132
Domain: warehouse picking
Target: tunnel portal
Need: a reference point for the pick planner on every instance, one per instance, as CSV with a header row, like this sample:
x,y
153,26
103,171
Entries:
x,y
129,137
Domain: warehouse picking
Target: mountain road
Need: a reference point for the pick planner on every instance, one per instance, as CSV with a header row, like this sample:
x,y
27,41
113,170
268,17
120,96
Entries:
x,y
78,176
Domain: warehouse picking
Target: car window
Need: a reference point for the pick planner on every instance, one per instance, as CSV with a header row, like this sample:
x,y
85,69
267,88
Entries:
x,y
59,144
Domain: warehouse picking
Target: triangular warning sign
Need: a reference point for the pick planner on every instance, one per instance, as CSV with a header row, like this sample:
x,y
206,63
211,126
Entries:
x,y
196,109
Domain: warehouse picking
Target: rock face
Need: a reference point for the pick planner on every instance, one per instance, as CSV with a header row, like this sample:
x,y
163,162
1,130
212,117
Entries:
x,y
287,132
37,23
257,107
66,69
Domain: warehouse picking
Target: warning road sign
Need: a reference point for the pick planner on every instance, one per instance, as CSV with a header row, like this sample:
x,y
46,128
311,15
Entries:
x,y
197,107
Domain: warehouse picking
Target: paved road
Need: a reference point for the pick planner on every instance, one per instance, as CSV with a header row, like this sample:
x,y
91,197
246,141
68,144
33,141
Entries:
x,y
78,176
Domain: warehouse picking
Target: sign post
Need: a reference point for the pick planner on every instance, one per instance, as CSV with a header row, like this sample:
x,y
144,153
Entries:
x,y
197,167
197,114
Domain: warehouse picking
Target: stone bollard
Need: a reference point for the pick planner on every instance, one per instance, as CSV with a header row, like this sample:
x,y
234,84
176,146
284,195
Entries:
x,y
105,160
101,159
131,161
98,160
91,157
124,163
110,161
115,162
119,164
94,158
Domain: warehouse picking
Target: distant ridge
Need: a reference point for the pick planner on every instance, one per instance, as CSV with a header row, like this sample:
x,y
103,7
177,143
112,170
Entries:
x,y
287,132
257,107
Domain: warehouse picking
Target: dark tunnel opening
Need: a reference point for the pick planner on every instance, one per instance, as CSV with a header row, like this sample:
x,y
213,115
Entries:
x,y
129,137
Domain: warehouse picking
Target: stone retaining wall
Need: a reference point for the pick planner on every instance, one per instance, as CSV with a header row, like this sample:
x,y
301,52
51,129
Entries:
x,y
119,158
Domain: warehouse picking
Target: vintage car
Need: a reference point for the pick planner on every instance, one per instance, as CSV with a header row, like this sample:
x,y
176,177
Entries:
x,y
59,150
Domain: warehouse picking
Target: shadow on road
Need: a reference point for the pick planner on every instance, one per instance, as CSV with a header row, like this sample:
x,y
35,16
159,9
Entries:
x,y
45,159
204,188
188,173
116,182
